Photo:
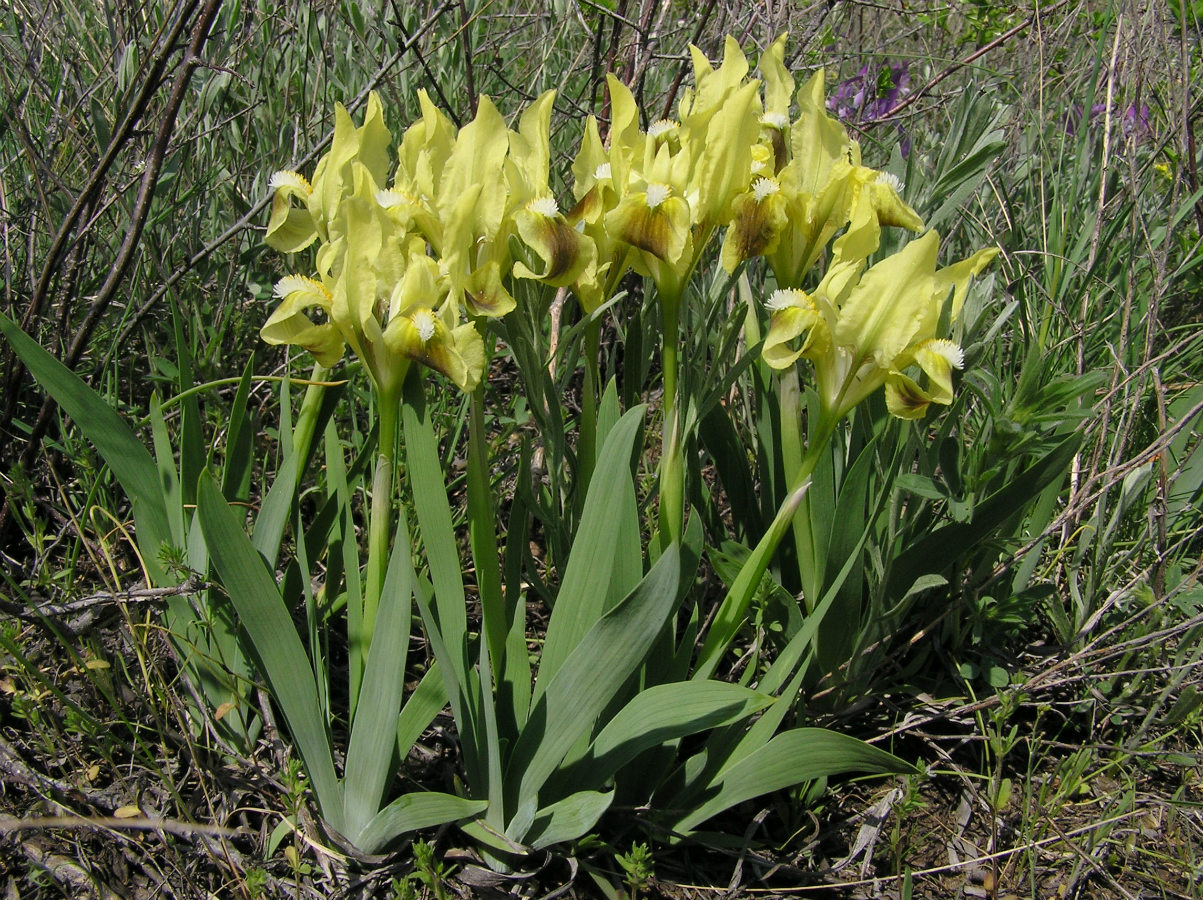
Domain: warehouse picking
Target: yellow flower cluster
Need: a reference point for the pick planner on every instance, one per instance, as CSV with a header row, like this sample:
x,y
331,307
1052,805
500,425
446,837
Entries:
x,y
404,268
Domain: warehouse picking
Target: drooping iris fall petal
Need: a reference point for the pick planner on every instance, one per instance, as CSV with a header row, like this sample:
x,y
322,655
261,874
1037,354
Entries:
x,y
422,335
290,228
758,218
290,322
654,221
564,251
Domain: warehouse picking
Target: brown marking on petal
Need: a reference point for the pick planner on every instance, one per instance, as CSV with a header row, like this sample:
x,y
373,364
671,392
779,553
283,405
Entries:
x,y
910,397
564,246
780,151
438,364
587,208
753,231
648,230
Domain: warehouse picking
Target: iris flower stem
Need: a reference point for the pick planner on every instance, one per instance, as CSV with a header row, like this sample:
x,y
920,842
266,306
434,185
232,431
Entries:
x,y
730,615
381,514
672,468
302,434
809,562
482,534
586,455
796,459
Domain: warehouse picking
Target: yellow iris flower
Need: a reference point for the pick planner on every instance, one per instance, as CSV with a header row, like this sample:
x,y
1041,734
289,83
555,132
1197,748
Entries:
x,y
864,329
291,228
377,290
790,214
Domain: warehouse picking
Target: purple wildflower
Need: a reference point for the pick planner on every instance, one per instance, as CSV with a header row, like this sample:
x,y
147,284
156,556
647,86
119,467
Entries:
x,y
872,93
1134,122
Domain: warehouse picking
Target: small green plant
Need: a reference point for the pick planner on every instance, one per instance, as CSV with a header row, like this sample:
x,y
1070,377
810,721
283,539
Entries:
x,y
638,869
902,821
428,878
405,888
255,882
430,870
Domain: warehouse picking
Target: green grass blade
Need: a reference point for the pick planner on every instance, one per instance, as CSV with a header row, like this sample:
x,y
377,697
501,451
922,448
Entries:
x,y
608,412
567,819
413,812
169,480
446,616
419,711
374,732
482,536
236,475
316,408
734,467
263,614
274,511
131,462
940,548
725,624
192,438
656,716
514,685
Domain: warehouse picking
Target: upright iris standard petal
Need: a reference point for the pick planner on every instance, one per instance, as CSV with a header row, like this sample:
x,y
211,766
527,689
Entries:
x,y
720,153
472,201
476,164
367,145
890,308
425,148
528,163
956,278
712,87
817,141
778,92
627,142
